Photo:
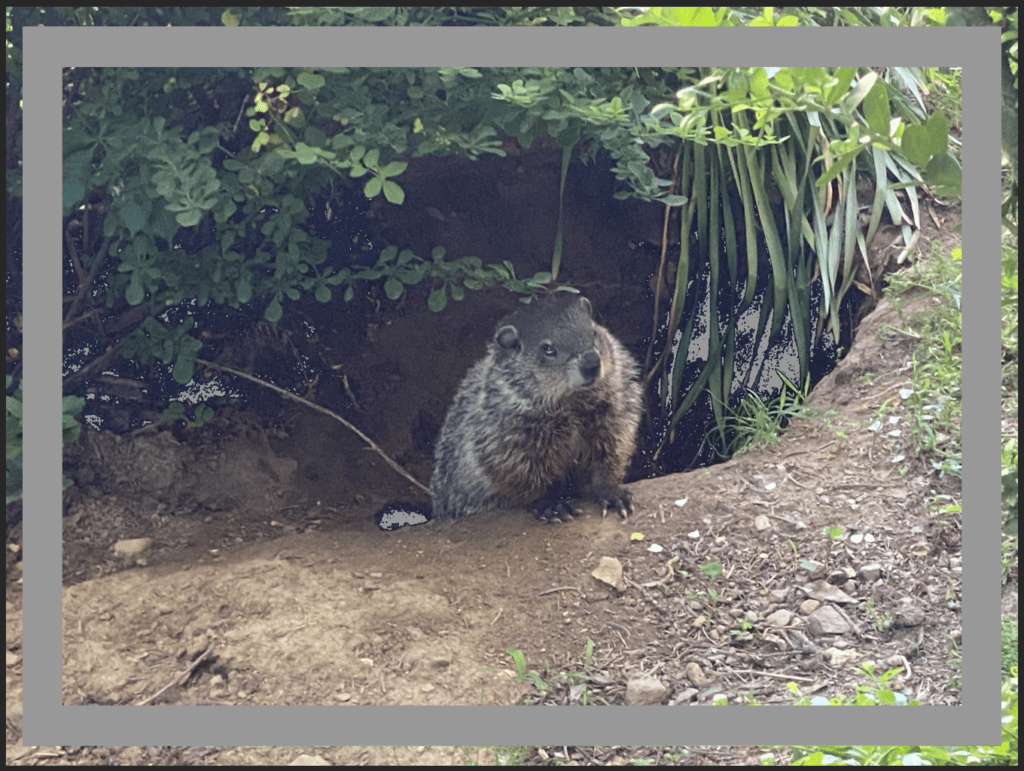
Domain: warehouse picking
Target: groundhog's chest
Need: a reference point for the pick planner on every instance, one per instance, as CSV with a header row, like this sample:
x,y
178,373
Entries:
x,y
530,450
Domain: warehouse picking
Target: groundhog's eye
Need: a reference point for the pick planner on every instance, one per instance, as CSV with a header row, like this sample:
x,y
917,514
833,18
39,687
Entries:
x,y
549,350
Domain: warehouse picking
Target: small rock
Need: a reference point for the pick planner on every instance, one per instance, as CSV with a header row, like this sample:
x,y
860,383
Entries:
x,y
644,689
778,595
840,658
218,687
841,576
684,697
870,573
826,620
309,760
825,592
807,607
909,615
132,546
779,618
815,568
609,570
696,675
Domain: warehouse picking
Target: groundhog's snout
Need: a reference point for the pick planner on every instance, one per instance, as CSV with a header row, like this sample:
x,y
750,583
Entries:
x,y
590,366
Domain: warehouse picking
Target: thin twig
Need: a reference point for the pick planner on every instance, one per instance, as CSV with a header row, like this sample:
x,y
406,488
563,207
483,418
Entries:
x,y
561,589
184,676
325,411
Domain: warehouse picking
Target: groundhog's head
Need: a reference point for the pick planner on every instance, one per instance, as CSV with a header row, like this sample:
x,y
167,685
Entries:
x,y
551,344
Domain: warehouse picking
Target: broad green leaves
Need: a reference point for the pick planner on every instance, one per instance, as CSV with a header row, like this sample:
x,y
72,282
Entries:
x,y
927,145
153,341
674,17
303,130
402,268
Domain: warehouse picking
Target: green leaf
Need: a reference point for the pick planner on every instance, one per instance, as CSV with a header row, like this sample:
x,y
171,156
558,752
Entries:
x,y
863,88
190,218
174,410
689,17
437,300
374,13
243,291
305,154
393,288
759,84
843,77
184,368
876,109
394,168
393,192
134,294
373,187
311,81
323,293
273,312
944,172
70,405
922,142
673,200
204,414
76,170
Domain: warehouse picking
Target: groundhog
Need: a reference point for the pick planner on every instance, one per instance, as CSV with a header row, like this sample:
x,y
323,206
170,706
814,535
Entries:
x,y
547,417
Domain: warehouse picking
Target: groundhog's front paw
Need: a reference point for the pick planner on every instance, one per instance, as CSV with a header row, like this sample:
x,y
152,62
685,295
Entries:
x,y
553,511
619,500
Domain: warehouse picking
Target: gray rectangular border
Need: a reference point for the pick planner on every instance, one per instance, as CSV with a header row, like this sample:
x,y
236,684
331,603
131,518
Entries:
x,y
48,50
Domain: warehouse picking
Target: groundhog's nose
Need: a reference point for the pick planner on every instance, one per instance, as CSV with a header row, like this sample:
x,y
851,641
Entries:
x,y
590,366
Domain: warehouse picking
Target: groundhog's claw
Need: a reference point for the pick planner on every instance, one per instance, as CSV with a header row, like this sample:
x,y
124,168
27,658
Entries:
x,y
619,501
553,511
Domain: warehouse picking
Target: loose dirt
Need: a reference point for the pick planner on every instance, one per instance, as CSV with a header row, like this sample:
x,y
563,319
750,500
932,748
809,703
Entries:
x,y
263,559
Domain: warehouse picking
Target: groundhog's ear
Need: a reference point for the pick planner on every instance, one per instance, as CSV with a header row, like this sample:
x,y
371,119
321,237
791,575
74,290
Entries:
x,y
507,337
585,305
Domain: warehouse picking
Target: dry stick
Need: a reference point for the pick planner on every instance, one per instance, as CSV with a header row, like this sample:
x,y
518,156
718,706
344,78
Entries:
x,y
561,589
325,411
184,676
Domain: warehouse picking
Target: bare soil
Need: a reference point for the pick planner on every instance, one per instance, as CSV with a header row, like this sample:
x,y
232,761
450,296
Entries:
x,y
264,557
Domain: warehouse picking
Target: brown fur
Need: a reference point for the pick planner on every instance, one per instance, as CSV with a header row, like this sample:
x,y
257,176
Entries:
x,y
549,415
